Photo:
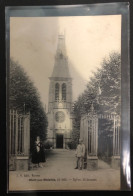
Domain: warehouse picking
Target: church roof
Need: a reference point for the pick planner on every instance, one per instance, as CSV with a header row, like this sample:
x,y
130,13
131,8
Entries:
x,y
61,61
61,69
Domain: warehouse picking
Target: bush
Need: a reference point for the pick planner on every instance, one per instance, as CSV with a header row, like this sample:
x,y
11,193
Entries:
x,y
48,144
71,145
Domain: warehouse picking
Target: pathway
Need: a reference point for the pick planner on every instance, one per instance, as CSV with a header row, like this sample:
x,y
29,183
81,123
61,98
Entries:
x,y
58,173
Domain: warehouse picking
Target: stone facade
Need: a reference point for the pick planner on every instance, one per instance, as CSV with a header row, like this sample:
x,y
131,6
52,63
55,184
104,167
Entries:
x,y
60,99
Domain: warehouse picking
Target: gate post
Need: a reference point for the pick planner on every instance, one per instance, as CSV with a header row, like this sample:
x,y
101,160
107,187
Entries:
x,y
89,134
116,143
13,136
22,160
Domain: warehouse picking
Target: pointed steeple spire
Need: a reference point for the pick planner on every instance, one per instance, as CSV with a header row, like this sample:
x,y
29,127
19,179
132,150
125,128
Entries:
x,y
61,61
61,48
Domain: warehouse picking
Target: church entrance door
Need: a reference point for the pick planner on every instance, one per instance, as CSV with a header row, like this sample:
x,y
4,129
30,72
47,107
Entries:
x,y
59,141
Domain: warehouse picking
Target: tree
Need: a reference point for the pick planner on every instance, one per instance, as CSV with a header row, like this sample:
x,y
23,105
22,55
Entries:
x,y
110,84
24,97
103,90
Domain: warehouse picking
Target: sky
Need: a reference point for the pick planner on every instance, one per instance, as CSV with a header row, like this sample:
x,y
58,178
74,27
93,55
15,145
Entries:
x,y
89,39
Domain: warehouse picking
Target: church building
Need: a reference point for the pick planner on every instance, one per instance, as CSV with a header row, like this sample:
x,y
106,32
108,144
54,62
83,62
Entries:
x,y
60,99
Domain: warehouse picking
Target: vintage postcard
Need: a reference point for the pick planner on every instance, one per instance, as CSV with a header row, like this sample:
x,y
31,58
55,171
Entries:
x,y
64,101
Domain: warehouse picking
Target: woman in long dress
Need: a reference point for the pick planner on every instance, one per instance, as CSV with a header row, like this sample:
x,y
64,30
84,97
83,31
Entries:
x,y
38,156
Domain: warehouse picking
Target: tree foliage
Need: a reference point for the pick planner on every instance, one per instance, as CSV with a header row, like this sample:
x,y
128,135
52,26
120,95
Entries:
x,y
103,91
24,97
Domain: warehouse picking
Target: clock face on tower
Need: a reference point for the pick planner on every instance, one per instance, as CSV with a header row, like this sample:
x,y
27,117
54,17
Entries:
x,y
60,116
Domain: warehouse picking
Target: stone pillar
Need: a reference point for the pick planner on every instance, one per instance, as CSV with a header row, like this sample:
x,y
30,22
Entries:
x,y
116,144
92,159
26,135
89,134
22,161
92,162
16,136
13,139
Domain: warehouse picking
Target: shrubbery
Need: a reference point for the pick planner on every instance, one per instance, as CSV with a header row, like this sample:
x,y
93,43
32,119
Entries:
x,y
103,90
48,144
24,97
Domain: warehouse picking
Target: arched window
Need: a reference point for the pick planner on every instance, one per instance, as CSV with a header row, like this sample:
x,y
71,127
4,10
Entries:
x,y
64,91
56,91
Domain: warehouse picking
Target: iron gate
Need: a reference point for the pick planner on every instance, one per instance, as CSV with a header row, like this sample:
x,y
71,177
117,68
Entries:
x,y
19,137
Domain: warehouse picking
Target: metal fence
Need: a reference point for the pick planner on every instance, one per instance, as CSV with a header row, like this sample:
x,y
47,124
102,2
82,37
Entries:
x,y
19,137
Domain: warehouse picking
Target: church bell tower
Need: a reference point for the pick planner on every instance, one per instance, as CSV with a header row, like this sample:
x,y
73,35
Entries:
x,y
60,99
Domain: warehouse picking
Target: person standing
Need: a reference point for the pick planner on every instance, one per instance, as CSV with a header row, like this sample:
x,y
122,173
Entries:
x,y
38,155
80,153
